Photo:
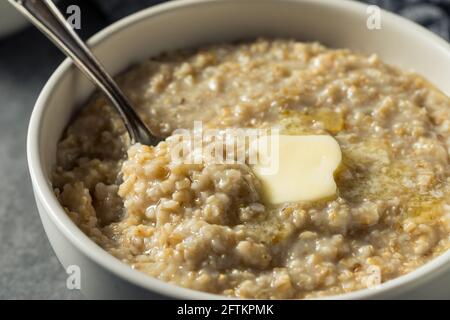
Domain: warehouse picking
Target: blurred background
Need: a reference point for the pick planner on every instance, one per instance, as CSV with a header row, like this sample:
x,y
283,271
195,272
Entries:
x,y
28,267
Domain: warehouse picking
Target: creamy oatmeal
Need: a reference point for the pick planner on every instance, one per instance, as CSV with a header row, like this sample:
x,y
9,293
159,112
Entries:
x,y
206,226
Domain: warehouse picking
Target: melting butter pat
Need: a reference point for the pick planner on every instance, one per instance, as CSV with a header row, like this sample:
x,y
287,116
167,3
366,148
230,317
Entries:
x,y
297,168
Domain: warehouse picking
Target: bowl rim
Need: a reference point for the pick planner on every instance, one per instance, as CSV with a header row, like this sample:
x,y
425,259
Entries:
x,y
46,197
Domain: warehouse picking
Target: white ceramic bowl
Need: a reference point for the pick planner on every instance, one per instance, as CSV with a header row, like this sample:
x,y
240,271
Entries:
x,y
190,23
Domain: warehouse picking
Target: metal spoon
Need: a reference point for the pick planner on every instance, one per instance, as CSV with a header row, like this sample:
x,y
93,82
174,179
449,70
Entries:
x,y
48,19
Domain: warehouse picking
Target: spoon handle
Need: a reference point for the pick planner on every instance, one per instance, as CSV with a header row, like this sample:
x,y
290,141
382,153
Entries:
x,y
49,20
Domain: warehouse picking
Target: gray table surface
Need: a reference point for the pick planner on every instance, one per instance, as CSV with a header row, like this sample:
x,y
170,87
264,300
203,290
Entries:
x,y
28,267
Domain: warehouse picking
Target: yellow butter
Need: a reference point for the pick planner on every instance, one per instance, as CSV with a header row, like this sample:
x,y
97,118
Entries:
x,y
297,168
